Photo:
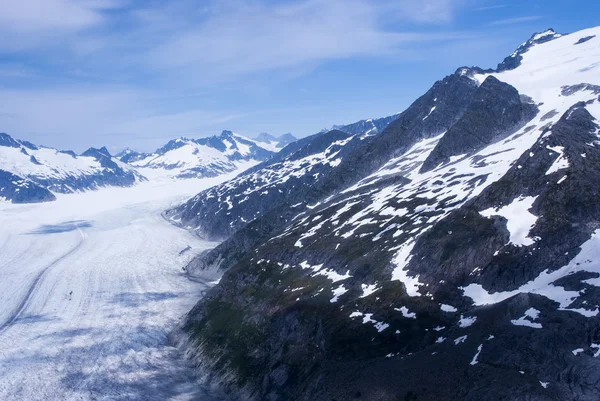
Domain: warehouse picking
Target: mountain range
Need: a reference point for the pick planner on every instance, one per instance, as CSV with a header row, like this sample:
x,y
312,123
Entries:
x,y
449,254
30,173
206,157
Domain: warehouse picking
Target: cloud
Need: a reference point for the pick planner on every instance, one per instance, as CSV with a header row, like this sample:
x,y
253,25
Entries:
x,y
68,118
516,20
27,24
494,7
105,68
251,37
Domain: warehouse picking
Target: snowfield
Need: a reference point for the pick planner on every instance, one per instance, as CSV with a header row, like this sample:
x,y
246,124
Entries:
x,y
90,286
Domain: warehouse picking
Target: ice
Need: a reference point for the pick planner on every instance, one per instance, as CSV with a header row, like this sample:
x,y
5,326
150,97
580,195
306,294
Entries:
x,y
90,285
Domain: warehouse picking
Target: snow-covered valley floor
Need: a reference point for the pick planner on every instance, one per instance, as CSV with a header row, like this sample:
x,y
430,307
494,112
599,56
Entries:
x,y
90,286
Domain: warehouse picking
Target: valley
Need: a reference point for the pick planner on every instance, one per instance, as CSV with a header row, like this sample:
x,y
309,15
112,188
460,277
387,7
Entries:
x,y
91,285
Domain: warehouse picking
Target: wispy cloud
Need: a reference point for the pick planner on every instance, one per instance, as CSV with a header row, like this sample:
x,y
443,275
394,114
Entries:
x,y
494,7
516,20
115,65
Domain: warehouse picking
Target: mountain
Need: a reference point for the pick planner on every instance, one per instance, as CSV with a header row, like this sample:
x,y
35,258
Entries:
x,y
219,212
41,170
452,256
129,155
275,143
369,126
285,140
204,157
19,190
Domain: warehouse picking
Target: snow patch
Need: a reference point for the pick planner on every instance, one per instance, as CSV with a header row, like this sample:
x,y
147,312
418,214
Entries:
x,y
519,220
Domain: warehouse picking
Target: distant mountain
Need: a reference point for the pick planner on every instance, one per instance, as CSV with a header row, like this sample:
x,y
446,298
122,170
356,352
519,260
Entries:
x,y
41,170
20,190
275,142
452,256
204,157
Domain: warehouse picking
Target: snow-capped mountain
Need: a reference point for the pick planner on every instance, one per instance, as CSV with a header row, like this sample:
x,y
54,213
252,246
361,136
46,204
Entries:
x,y
38,171
204,157
460,245
271,142
220,211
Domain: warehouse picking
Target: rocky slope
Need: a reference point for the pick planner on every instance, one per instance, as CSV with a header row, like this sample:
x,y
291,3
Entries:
x,y
454,255
32,173
286,174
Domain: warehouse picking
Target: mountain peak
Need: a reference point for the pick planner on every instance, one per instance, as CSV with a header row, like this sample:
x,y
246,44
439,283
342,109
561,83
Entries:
x,y
265,137
8,141
97,153
548,34
125,152
514,60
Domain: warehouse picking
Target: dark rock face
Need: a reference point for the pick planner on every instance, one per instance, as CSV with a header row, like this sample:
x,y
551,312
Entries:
x,y
285,140
571,89
19,190
8,141
585,39
495,112
265,137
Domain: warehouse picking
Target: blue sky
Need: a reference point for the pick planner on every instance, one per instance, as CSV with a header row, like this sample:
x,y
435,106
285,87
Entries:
x,y
80,73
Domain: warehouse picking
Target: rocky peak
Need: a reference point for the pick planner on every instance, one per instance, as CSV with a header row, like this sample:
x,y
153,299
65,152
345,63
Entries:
x,y
265,137
514,60
8,141
495,112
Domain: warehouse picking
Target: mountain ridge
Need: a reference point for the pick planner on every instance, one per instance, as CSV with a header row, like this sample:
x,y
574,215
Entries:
x,y
39,171
458,272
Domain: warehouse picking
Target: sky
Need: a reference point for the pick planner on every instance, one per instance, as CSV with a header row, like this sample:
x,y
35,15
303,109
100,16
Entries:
x,y
136,73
